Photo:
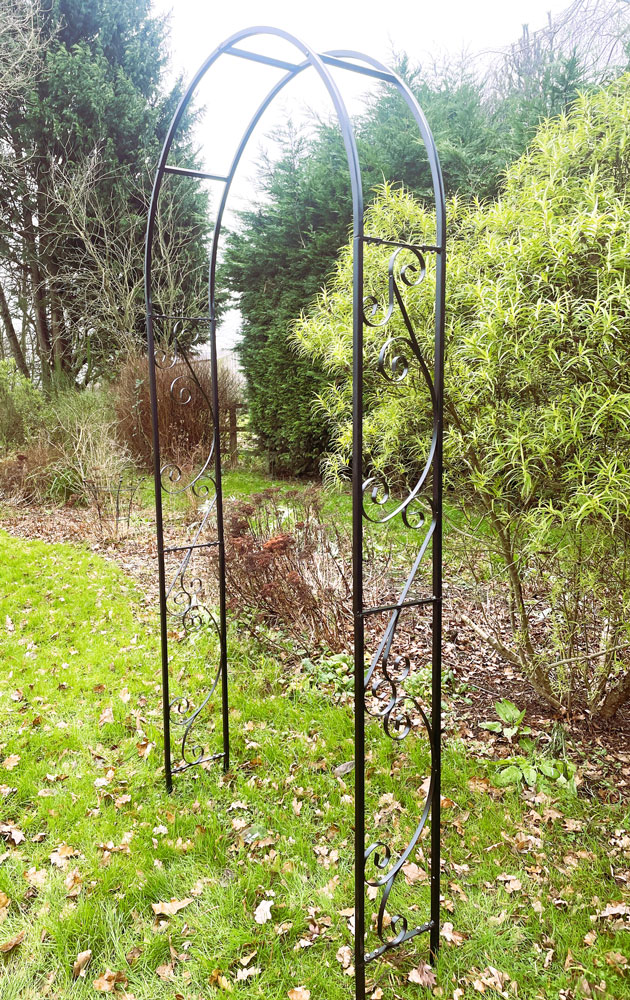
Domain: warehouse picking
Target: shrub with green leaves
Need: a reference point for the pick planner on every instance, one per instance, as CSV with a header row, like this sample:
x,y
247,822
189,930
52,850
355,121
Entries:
x,y
537,395
20,402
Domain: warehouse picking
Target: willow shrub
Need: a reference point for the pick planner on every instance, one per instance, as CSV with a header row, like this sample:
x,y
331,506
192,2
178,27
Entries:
x,y
537,392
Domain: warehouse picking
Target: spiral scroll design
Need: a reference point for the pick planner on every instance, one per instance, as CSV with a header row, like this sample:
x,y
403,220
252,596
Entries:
x,y
184,597
386,698
397,355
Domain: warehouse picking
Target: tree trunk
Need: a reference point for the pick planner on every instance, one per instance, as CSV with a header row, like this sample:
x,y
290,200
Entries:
x,y
41,320
61,348
12,337
615,698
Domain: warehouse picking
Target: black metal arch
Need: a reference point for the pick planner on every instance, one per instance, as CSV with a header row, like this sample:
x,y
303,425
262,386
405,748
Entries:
x,y
379,690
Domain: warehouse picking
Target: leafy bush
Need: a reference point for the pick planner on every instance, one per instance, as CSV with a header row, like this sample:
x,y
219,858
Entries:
x,y
79,429
537,402
284,249
73,442
20,402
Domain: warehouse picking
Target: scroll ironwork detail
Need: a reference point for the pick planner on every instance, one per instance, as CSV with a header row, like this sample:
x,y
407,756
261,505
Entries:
x,y
385,695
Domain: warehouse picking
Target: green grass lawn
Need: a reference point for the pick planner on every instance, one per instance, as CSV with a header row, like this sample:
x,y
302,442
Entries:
x,y
93,842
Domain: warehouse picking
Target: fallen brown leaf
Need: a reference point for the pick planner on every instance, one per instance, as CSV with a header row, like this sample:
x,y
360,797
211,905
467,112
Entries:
x,y
450,935
73,883
8,946
109,980
243,974
133,955
11,833
166,972
423,975
299,993
61,856
263,911
107,715
171,908
80,963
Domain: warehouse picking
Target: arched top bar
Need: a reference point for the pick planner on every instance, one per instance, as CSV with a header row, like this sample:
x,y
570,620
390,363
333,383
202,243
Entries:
x,y
349,60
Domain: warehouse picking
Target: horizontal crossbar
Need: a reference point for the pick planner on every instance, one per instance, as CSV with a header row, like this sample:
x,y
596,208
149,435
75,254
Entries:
x,y
189,548
424,248
422,929
185,319
185,172
258,57
398,607
329,60
378,74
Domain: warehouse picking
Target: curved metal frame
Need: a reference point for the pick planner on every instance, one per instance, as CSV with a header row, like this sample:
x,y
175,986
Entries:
x,y
380,689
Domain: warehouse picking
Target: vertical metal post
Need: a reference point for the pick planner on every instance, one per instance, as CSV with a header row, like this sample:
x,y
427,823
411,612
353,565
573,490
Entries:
x,y
218,483
159,529
436,666
233,418
357,607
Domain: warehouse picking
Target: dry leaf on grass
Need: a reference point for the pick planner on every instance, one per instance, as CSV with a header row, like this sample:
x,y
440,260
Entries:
x,y
344,955
616,960
253,970
423,975
8,946
413,873
612,910
107,715
495,979
11,833
450,935
73,883
80,963
36,878
11,761
171,908
166,972
299,993
510,882
263,911
109,980
61,856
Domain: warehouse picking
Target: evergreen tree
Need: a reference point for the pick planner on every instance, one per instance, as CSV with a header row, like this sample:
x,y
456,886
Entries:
x,y
284,249
78,147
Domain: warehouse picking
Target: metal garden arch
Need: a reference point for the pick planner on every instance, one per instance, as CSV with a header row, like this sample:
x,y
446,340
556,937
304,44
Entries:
x,y
378,690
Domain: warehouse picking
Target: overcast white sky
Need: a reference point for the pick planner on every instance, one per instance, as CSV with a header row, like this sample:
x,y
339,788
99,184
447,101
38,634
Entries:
x,y
233,88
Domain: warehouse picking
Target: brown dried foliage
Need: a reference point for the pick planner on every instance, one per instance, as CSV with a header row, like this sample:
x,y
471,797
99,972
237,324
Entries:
x,y
26,475
288,567
184,416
